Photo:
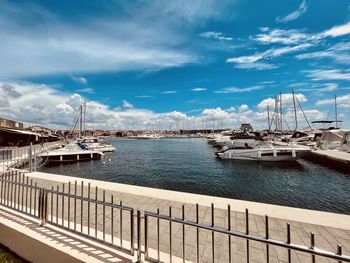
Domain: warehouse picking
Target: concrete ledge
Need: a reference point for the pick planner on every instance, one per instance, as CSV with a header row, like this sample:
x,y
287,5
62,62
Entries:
x,y
282,212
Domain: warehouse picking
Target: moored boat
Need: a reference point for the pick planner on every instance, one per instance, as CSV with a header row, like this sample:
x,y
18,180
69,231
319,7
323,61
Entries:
x,y
263,151
72,152
95,144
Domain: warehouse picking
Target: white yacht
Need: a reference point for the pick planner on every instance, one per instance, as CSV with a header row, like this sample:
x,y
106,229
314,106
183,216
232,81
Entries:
x,y
71,152
147,136
262,151
96,144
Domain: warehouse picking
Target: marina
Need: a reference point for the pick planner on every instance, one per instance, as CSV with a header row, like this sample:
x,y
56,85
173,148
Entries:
x,y
174,131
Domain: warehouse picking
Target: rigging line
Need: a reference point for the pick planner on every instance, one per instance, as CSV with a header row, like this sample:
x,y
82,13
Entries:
x,y
75,122
329,112
286,122
303,113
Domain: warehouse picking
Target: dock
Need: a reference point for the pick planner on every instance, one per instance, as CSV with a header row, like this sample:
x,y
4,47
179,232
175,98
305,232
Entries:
x,y
328,229
333,158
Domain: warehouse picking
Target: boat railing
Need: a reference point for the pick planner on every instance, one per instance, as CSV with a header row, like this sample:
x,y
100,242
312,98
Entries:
x,y
150,235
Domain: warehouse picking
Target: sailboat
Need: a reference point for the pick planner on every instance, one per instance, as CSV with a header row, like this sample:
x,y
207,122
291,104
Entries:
x,y
72,151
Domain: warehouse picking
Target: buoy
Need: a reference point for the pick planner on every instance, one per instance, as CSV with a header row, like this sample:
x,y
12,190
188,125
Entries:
x,y
109,160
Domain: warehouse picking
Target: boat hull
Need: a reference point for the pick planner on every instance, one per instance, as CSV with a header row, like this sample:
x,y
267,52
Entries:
x,y
64,158
265,155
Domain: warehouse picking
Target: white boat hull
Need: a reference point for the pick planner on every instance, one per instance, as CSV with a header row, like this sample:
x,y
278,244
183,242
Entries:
x,y
267,155
102,148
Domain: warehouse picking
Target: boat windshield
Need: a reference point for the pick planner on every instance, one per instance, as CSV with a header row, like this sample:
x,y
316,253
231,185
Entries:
x,y
83,147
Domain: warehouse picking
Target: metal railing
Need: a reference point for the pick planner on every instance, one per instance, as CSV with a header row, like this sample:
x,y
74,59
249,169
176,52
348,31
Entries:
x,y
311,250
85,211
80,213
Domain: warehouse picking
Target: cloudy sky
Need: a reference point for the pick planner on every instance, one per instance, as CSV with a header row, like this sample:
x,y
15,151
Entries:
x,y
173,64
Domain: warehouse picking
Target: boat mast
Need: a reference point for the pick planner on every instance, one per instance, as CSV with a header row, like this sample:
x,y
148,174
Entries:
x,y
281,112
336,111
80,120
268,117
295,111
276,113
84,118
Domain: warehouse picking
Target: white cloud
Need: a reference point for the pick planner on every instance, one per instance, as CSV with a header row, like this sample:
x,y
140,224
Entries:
x,y
282,36
256,66
238,90
326,87
336,31
339,52
294,15
169,92
287,101
199,89
268,54
299,36
54,46
214,35
342,101
81,80
57,110
328,74
143,96
243,107
87,90
127,104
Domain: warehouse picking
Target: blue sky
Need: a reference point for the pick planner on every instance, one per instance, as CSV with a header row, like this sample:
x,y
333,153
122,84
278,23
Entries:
x,y
168,64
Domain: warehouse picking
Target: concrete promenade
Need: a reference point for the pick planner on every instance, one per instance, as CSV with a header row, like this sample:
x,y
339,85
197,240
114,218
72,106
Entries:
x,y
330,229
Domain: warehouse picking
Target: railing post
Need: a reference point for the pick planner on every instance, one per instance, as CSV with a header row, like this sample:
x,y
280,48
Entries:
x,y
40,207
34,159
30,157
138,235
43,211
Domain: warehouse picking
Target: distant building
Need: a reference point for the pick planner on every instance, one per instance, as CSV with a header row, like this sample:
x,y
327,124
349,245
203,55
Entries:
x,y
41,129
13,134
5,123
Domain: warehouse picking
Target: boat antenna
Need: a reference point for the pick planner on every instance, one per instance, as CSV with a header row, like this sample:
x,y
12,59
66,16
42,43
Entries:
x,y
336,111
295,111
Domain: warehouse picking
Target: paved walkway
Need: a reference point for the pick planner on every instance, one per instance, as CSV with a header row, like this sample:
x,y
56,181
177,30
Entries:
x,y
336,229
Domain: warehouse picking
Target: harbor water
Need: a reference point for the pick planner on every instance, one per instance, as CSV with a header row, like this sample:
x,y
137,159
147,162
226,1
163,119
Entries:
x,y
189,165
